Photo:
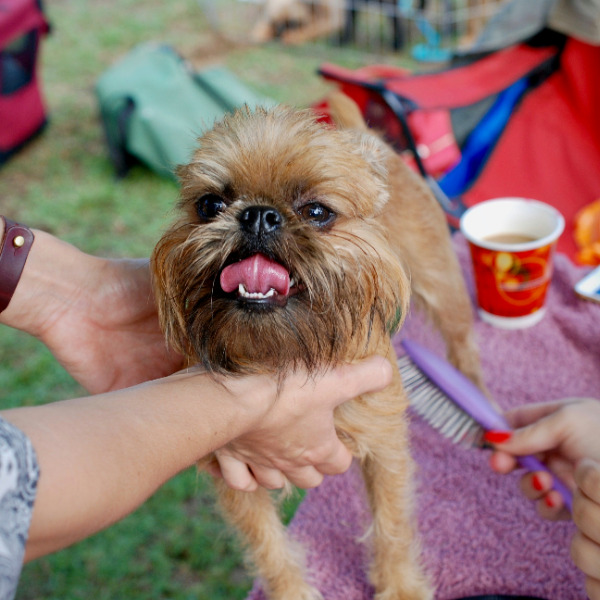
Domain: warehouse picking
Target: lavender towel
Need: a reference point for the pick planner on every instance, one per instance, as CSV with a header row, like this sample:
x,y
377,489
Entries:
x,y
480,536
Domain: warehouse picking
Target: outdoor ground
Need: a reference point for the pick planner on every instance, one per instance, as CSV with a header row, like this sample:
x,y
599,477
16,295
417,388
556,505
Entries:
x,y
175,546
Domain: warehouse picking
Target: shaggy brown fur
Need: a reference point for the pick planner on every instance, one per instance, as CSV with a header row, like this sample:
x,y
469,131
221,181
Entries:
x,y
356,230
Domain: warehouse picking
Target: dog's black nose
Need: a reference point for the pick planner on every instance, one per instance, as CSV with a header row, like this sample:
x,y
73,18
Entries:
x,y
260,220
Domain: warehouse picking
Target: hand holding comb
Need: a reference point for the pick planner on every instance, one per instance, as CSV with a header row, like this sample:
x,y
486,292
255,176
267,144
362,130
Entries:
x,y
458,409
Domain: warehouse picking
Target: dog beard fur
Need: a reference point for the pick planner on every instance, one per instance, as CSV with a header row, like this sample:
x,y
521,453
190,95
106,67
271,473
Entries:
x,y
352,231
350,287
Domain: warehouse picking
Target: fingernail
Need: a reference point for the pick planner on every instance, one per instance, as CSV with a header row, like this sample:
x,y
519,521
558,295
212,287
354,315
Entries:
x,y
497,437
537,484
549,502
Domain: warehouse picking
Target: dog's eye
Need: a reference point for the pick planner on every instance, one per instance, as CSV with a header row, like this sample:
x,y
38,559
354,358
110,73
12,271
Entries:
x,y
209,206
317,214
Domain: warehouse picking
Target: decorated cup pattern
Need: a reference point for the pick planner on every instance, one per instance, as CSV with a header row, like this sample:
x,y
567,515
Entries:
x,y
512,284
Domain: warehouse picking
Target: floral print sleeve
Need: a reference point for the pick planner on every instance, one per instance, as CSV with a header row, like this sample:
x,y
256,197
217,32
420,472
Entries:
x,y
19,474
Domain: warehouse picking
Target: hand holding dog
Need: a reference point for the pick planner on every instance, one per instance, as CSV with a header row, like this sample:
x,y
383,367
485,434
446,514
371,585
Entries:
x,y
85,446
97,316
566,434
297,440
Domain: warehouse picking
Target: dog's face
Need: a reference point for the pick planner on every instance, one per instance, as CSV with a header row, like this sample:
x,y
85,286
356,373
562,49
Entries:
x,y
278,259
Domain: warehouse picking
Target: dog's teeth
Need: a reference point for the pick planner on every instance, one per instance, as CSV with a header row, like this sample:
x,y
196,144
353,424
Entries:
x,y
242,291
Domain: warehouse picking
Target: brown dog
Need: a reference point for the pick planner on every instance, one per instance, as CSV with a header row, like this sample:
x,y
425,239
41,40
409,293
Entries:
x,y
298,245
298,21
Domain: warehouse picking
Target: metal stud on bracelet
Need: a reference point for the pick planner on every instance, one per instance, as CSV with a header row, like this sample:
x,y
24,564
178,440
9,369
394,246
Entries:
x,y
16,243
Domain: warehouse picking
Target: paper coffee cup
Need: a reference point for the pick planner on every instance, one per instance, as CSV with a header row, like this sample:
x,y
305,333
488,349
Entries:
x,y
512,242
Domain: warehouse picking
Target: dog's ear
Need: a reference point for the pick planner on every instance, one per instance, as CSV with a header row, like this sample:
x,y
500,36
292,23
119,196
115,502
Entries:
x,y
376,153
347,117
181,172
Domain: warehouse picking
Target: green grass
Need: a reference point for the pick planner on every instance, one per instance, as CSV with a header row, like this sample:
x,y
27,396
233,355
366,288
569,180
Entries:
x,y
175,546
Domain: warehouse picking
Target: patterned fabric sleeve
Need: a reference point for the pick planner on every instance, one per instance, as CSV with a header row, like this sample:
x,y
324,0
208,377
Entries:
x,y
19,474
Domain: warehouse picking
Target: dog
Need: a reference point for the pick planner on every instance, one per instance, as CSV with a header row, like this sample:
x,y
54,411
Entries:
x,y
299,21
298,245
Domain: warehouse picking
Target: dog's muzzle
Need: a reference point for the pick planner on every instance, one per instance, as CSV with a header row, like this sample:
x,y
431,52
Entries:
x,y
257,278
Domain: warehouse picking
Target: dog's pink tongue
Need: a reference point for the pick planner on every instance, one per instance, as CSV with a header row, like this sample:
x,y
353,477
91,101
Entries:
x,y
258,274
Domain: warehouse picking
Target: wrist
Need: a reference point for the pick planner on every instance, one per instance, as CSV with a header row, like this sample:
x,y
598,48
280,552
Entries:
x,y
252,398
15,243
48,284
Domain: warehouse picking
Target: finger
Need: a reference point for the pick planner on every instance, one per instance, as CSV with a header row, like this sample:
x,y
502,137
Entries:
x,y
592,587
536,485
339,461
236,474
271,479
545,434
586,555
369,375
502,462
587,478
586,515
530,413
213,468
305,477
552,507
586,510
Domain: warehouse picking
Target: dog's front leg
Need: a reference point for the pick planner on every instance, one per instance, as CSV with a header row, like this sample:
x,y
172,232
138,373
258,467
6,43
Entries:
x,y
278,562
387,470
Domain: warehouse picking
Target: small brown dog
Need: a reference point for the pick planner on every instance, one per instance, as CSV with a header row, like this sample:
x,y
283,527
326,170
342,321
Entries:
x,y
298,21
298,245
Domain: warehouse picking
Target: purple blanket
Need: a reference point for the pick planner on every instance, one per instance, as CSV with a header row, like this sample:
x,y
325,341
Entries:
x,y
480,536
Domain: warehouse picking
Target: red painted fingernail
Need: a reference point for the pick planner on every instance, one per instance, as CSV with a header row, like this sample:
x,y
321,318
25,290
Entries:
x,y
549,502
537,484
497,437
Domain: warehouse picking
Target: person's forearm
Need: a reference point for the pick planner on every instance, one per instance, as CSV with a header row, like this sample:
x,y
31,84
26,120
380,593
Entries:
x,y
101,457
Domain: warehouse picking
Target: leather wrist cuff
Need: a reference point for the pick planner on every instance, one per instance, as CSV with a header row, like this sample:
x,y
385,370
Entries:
x,y
16,243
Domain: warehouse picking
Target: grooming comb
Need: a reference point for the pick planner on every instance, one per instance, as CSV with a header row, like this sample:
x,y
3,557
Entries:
x,y
456,407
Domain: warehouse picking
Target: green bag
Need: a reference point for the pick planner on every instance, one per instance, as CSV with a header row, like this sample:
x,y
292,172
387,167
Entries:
x,y
154,106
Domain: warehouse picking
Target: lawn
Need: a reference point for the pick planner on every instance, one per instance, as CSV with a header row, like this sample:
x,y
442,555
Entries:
x,y
175,546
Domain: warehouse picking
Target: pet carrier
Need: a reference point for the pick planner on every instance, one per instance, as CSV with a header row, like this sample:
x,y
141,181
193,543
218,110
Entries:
x,y
22,109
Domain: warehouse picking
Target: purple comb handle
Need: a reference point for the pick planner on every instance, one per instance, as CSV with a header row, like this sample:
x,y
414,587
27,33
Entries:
x,y
467,396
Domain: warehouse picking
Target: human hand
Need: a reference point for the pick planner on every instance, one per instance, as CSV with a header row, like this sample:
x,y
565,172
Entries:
x,y
97,316
561,434
585,547
109,337
565,436
296,440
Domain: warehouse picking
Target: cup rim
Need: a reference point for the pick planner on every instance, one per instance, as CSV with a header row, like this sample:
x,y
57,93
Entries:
x,y
521,247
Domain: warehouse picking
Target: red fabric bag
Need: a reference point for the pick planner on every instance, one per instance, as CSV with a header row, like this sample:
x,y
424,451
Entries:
x,y
22,108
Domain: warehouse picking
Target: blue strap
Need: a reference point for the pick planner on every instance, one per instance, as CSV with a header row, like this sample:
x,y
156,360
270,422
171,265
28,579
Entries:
x,y
482,139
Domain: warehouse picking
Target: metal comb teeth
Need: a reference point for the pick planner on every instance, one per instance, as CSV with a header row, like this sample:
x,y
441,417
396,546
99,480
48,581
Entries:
x,y
436,408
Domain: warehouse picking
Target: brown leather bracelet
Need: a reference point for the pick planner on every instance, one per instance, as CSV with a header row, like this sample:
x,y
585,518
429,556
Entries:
x,y
16,243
